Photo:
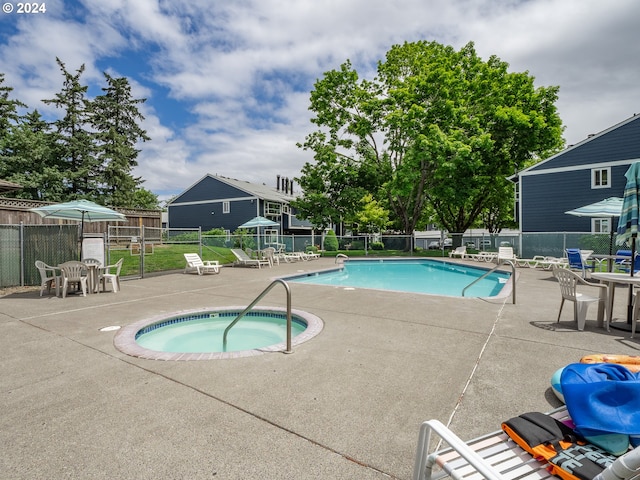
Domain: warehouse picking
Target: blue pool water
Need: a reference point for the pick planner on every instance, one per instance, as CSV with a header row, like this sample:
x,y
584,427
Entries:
x,y
417,276
203,332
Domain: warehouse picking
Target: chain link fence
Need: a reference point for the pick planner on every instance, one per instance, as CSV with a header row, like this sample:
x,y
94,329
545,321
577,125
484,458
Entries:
x,y
149,250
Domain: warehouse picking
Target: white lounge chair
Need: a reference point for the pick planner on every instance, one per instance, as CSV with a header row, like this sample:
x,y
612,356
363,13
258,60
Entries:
x,y
496,457
194,262
244,260
568,282
506,254
459,252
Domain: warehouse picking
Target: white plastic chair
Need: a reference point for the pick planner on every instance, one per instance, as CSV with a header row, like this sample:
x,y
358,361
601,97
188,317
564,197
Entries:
x,y
114,278
48,276
569,282
73,272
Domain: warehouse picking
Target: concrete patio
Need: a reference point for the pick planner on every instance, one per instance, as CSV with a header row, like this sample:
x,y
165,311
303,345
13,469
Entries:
x,y
346,404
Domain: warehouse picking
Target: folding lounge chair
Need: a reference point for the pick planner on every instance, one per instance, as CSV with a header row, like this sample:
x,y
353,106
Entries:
x,y
459,252
244,259
506,254
496,457
194,262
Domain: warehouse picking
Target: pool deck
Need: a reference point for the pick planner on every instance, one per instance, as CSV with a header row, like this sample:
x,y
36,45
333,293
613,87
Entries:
x,y
346,404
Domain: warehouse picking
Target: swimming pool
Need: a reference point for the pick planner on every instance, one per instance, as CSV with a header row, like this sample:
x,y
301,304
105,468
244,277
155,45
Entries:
x,y
410,275
198,334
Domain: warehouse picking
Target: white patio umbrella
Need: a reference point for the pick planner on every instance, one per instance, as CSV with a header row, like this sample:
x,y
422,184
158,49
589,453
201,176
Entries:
x,y
608,208
258,222
81,211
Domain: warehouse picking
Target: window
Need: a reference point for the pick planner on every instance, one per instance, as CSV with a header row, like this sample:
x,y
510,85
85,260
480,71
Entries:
x,y
600,225
226,208
600,177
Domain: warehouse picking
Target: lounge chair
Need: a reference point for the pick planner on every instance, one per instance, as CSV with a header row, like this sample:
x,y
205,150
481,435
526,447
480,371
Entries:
x,y
505,254
544,262
495,456
194,262
569,282
483,256
48,276
244,260
459,252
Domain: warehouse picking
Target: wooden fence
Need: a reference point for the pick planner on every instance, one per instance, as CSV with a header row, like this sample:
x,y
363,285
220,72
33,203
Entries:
x,y
14,211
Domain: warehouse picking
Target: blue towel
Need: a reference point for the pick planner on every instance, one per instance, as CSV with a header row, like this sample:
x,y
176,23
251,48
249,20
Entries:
x,y
603,400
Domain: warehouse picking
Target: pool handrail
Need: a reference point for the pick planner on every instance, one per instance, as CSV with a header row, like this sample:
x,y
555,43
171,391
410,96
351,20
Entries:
x,y
489,272
252,304
341,256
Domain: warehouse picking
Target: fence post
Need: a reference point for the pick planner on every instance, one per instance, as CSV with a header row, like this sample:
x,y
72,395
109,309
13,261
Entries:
x,y
21,241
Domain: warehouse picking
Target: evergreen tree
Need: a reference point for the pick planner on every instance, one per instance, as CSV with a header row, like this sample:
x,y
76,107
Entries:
x,y
33,164
8,118
75,143
115,118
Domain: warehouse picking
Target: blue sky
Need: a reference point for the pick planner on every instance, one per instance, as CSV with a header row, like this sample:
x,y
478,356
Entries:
x,y
227,82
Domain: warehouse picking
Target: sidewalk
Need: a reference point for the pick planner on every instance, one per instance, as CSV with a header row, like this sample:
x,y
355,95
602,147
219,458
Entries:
x,y
345,405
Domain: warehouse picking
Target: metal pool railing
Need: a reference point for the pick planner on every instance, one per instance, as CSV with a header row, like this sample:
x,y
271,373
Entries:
x,y
252,304
513,278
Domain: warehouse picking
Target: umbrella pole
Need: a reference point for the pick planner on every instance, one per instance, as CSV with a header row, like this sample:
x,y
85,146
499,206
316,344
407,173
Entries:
x,y
81,237
633,264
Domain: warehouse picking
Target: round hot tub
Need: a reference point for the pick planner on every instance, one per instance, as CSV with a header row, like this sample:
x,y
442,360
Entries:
x,y
198,334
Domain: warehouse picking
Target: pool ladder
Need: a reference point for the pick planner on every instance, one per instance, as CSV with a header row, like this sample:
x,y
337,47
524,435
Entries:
x,y
252,304
513,278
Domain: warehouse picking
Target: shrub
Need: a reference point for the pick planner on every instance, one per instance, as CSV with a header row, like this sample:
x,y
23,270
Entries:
x,y
331,242
377,246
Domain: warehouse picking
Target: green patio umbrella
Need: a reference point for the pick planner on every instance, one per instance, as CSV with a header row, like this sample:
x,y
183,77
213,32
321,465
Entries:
x,y
608,208
258,222
81,211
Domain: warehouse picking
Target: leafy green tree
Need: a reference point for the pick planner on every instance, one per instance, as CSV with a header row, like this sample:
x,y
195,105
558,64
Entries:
x,y
372,217
435,128
115,118
75,142
33,164
8,108
145,199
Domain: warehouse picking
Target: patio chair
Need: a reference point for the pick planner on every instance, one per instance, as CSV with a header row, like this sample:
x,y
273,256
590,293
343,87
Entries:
x,y
48,276
106,275
243,259
194,262
94,273
269,254
459,252
73,272
577,261
506,254
569,282
495,456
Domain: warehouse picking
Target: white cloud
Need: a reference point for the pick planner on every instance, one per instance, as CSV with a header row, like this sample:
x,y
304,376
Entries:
x,y
242,70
